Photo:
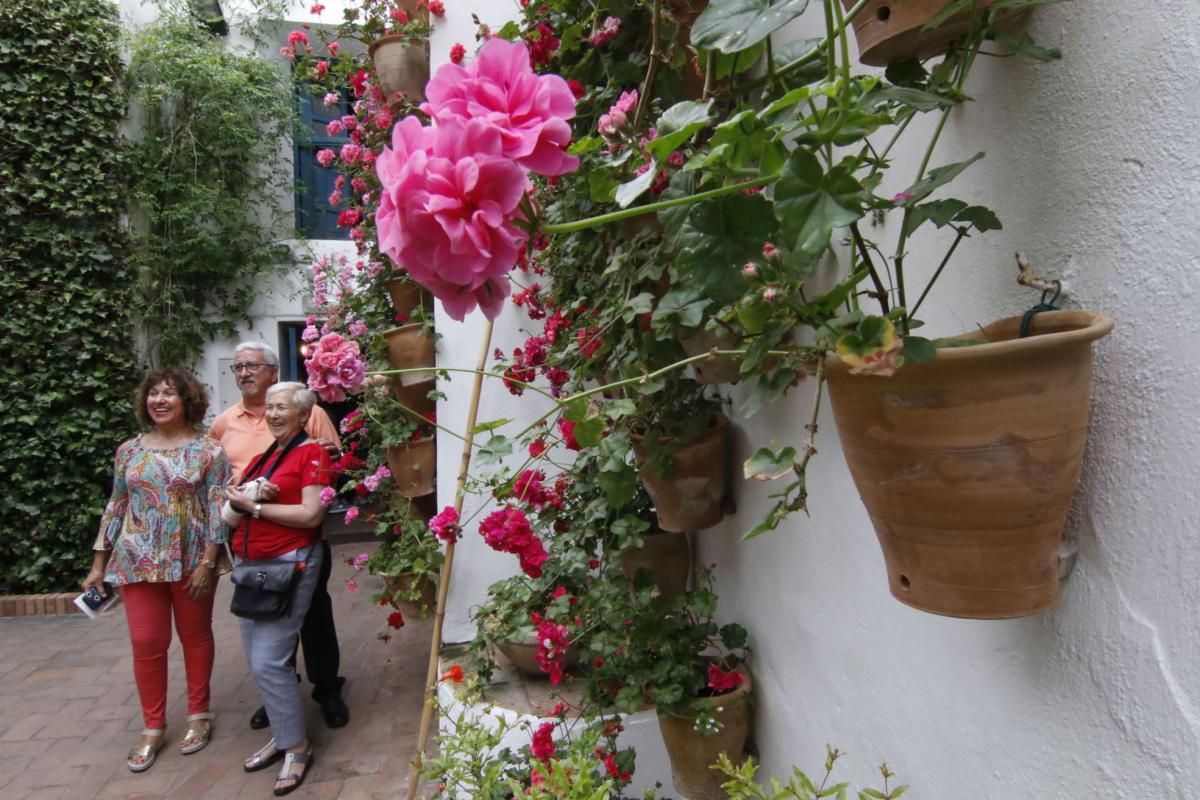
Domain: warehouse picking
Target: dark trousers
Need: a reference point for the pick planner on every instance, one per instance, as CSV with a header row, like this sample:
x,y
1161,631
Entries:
x,y
318,636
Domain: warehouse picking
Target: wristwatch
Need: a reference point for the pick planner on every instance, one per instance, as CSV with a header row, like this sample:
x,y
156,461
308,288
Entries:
x,y
211,563
257,510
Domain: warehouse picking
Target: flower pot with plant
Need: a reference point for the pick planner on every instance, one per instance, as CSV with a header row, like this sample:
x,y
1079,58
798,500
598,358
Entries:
x,y
412,346
673,654
532,622
968,463
408,559
683,450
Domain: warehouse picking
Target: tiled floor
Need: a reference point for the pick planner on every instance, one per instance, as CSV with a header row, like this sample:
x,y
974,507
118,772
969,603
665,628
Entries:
x,y
69,713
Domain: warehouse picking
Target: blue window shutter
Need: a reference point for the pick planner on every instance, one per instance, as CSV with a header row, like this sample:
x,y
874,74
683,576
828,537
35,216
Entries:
x,y
315,217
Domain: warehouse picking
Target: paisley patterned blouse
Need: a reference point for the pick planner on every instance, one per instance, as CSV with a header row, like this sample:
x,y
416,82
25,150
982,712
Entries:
x,y
164,510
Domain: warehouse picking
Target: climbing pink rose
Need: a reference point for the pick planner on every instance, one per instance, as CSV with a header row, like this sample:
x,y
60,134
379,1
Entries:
x,y
447,211
500,87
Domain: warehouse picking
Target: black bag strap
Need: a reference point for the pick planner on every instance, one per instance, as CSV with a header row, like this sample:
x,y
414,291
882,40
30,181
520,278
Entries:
x,y
256,465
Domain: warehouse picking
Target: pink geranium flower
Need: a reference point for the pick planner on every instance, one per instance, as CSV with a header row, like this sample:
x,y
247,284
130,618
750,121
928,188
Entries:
x,y
447,211
335,367
531,111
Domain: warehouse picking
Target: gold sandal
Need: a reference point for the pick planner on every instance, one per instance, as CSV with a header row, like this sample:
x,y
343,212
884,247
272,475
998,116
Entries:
x,y
147,752
199,737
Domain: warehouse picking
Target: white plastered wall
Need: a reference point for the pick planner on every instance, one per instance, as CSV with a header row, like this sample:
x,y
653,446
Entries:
x,y
1093,166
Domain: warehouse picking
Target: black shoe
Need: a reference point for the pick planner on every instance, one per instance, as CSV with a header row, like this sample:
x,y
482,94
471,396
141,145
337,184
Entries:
x,y
334,709
258,720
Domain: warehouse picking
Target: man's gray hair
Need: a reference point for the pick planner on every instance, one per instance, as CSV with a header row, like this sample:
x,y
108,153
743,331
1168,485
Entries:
x,y
269,354
303,398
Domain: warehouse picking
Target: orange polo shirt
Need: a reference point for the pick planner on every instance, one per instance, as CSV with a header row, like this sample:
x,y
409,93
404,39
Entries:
x,y
244,435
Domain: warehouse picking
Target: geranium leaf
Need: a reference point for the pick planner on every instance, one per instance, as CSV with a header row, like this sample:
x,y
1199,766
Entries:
x,y
765,390
576,410
490,425
936,178
939,212
494,450
619,486
984,219
631,190
684,306
810,202
767,465
733,25
678,124
1027,47
590,431
918,349
717,237
602,187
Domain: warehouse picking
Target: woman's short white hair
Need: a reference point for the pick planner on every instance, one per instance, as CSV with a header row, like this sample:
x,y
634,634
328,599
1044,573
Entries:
x,y
268,352
302,397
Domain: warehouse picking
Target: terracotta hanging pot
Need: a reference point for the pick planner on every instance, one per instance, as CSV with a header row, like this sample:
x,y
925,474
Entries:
x,y
692,754
415,396
409,347
889,30
967,463
691,497
718,369
414,467
401,66
666,556
426,600
523,656
407,295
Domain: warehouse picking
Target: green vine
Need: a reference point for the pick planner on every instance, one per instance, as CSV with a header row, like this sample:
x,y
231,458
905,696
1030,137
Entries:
x,y
65,285
206,183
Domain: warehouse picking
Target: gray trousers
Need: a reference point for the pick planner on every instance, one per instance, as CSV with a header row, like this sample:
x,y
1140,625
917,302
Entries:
x,y
269,645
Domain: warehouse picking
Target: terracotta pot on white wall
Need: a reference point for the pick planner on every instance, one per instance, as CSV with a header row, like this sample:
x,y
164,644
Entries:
x,y
401,66
889,30
968,463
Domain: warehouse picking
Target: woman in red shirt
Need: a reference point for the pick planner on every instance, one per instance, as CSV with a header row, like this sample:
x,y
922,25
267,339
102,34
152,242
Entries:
x,y
286,528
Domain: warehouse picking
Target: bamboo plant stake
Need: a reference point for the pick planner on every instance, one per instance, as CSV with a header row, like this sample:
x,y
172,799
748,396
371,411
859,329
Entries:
x,y
435,646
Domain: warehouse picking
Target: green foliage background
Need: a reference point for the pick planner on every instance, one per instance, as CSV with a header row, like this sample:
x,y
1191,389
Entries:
x,y
65,285
205,182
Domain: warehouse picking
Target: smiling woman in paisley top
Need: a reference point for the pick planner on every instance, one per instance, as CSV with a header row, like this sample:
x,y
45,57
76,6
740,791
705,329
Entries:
x,y
160,540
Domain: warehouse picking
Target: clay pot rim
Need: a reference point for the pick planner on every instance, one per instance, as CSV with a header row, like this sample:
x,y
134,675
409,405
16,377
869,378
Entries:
x,y
1081,327
390,39
718,422
428,441
740,694
408,327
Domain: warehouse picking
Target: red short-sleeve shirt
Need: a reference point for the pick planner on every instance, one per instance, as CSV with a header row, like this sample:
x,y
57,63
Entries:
x,y
307,465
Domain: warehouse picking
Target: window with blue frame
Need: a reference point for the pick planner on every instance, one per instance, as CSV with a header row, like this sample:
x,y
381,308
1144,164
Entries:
x,y
315,217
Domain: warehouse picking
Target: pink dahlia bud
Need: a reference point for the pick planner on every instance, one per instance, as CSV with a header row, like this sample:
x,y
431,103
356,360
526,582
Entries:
x,y
772,254
770,294
750,269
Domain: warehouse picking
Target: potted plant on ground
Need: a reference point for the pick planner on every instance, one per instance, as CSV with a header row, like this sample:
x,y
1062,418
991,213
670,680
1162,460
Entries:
x,y
532,621
673,655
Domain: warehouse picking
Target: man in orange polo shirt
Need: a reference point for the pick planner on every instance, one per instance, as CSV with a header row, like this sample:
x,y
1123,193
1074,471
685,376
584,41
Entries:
x,y
243,433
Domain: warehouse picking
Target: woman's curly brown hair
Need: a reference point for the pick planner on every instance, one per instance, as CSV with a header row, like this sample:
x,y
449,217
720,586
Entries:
x,y
191,392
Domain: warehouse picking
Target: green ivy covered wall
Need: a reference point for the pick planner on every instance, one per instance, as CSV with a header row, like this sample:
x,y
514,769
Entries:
x,y
68,367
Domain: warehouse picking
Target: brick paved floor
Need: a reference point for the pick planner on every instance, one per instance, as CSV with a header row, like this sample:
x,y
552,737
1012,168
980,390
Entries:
x,y
69,712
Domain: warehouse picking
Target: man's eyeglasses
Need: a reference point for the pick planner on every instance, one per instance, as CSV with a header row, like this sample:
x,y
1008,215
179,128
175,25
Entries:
x,y
251,368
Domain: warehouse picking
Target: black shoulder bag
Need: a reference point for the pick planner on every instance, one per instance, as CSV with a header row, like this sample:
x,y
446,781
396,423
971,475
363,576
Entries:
x,y
263,588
